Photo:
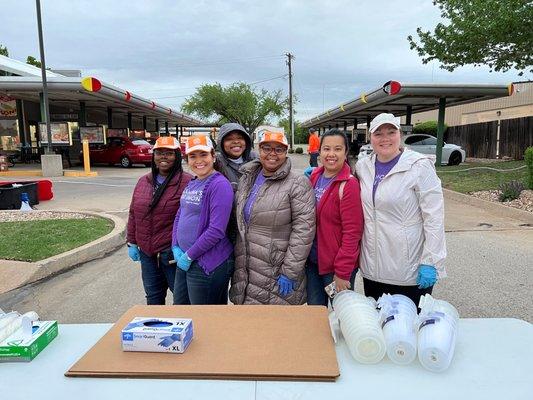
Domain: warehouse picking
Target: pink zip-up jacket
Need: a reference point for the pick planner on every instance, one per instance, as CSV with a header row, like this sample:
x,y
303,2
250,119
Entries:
x,y
339,224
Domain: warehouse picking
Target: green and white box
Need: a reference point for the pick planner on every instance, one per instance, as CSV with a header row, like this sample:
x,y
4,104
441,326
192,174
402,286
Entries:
x,y
14,348
165,335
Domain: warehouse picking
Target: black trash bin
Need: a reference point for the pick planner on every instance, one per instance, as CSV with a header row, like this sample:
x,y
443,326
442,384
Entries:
x,y
10,196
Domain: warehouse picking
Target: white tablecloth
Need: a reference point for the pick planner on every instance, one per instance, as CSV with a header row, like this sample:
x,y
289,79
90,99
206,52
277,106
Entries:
x,y
493,360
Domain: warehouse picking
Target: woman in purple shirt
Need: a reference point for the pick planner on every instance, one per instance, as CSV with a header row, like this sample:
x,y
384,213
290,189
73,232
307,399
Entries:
x,y
201,248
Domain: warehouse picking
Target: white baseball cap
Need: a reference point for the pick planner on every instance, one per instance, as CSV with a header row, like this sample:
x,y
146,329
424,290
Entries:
x,y
382,119
199,142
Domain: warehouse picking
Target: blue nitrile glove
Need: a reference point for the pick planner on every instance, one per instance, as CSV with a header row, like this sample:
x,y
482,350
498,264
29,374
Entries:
x,y
427,276
286,286
308,171
133,252
168,340
177,252
184,262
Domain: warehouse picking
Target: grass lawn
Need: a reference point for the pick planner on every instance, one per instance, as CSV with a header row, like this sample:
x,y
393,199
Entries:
x,y
481,179
37,240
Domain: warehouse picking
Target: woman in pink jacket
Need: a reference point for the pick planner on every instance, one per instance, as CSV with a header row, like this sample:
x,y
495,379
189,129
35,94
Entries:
x,y
339,221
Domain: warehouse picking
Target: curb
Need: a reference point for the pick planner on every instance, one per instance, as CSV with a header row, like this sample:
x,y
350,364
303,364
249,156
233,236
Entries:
x,y
70,259
504,211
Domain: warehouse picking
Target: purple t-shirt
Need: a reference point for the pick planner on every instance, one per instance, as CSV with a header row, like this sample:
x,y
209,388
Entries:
x,y
382,169
160,179
320,188
190,209
259,180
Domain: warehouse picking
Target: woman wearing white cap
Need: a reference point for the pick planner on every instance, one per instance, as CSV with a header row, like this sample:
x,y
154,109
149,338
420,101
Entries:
x,y
276,225
201,248
403,247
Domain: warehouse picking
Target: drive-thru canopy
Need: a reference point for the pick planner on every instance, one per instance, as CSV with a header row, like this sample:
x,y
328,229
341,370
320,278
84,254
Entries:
x,y
405,99
93,94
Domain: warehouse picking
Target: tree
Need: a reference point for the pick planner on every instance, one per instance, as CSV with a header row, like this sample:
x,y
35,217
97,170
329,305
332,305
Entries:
x,y
496,33
32,61
4,51
236,103
301,135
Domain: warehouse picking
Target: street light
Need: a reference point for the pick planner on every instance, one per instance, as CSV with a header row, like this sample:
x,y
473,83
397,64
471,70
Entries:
x,y
43,74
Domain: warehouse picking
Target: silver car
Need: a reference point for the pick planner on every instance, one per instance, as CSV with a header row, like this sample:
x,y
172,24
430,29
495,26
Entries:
x,y
426,144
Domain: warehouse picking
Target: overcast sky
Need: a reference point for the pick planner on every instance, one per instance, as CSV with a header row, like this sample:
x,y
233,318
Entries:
x,y
162,50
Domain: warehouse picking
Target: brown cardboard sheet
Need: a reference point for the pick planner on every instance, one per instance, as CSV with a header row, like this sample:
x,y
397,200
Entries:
x,y
230,342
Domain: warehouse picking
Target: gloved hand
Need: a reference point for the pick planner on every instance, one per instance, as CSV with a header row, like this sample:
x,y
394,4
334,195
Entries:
x,y
308,171
184,262
133,252
177,252
427,276
286,286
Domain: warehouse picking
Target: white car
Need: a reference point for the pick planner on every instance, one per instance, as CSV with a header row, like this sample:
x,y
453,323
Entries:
x,y
426,144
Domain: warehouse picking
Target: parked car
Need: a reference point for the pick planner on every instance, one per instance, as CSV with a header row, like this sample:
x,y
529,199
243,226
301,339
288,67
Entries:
x,y
121,150
426,144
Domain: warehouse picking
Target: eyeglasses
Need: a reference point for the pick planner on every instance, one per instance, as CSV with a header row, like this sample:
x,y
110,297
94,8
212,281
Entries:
x,y
270,149
165,153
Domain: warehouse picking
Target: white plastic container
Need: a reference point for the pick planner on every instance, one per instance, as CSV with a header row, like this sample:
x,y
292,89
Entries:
x,y
437,333
359,322
398,320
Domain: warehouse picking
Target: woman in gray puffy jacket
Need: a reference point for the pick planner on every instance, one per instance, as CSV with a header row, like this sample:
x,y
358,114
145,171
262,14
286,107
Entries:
x,y
276,226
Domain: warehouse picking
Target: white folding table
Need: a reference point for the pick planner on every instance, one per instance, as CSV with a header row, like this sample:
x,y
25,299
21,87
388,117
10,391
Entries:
x,y
493,360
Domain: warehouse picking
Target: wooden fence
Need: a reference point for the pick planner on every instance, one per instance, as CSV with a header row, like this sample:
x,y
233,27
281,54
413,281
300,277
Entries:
x,y
479,140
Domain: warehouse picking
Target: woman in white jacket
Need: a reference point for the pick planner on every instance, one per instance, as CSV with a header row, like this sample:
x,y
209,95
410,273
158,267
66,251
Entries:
x,y
403,246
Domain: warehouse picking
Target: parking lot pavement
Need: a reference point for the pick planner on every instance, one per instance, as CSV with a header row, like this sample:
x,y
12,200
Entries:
x,y
488,263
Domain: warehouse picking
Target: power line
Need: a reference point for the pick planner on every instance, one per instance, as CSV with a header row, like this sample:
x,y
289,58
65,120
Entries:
x,y
222,62
306,109
269,79
172,97
251,83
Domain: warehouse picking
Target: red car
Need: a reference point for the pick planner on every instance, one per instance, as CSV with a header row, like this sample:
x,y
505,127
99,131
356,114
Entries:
x,y
121,150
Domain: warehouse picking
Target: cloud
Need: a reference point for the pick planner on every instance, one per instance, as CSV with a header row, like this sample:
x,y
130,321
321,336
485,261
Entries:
x,y
163,48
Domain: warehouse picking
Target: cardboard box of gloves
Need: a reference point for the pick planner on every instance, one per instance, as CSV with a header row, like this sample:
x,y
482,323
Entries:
x,y
161,335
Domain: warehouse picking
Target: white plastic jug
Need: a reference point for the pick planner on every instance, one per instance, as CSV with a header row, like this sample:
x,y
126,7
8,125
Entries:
x,y
359,321
437,333
398,320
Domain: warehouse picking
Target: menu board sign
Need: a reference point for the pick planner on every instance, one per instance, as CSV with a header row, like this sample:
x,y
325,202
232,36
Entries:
x,y
8,107
93,134
60,133
117,132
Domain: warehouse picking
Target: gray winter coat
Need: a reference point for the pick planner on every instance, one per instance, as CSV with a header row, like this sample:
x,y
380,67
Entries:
x,y
229,168
278,238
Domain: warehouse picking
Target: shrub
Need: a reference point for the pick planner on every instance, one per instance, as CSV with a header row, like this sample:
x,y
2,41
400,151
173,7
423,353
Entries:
x,y
299,150
528,157
511,190
291,151
428,127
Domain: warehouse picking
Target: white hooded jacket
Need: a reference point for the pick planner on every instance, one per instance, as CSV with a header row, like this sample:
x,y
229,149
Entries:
x,y
404,224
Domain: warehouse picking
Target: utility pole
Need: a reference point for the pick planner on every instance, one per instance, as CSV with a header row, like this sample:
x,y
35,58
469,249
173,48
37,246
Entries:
x,y
43,74
291,119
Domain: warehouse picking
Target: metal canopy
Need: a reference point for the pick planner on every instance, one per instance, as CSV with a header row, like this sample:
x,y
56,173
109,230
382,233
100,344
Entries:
x,y
68,92
405,99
